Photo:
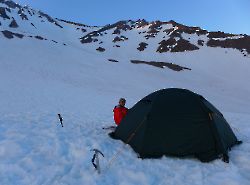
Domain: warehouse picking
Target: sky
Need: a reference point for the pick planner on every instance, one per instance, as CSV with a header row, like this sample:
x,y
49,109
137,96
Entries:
x,y
232,16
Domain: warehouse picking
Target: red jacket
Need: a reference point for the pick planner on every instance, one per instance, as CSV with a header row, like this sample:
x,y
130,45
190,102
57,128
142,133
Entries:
x,y
119,113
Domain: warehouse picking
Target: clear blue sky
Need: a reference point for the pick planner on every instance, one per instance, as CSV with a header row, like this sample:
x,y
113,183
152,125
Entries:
x,y
226,15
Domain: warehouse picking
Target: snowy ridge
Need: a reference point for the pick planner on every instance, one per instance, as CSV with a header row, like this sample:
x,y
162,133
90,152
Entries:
x,y
31,23
41,78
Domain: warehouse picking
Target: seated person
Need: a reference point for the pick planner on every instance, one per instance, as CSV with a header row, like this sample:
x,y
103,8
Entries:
x,y
120,111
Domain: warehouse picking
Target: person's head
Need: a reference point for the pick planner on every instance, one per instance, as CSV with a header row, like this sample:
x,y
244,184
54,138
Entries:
x,y
122,102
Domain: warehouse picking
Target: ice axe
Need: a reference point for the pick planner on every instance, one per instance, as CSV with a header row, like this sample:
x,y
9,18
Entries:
x,y
60,119
95,159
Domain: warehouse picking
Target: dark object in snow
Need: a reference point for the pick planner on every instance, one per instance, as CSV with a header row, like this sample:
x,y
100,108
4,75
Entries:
x,y
10,35
60,119
3,13
177,122
142,46
32,25
95,159
39,37
172,66
22,15
50,19
100,49
112,60
240,43
201,42
110,128
13,24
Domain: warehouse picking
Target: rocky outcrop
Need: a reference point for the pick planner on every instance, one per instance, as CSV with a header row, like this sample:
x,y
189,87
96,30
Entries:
x,y
22,15
11,35
219,34
201,42
3,13
171,66
118,39
240,43
100,49
173,45
12,5
92,36
39,38
184,45
112,60
142,46
166,45
50,19
13,23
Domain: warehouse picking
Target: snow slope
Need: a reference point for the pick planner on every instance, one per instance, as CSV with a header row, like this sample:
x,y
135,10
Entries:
x,y
40,78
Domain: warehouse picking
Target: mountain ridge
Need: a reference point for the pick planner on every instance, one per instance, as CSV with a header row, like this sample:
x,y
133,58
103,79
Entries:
x,y
172,32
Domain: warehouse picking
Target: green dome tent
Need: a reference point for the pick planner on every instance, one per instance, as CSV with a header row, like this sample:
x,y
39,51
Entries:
x,y
176,122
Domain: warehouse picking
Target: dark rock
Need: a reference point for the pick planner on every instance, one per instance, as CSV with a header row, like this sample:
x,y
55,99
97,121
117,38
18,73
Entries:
x,y
172,66
83,30
10,35
142,46
118,39
39,37
184,45
219,34
31,14
121,25
201,42
201,32
54,41
22,15
74,23
117,31
141,23
58,25
176,33
112,60
150,36
168,31
153,30
241,43
156,25
32,24
86,39
50,19
100,49
12,5
100,42
13,24
3,13
166,45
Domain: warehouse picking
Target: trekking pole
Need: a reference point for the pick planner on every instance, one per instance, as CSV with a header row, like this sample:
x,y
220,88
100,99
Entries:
x,y
60,119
